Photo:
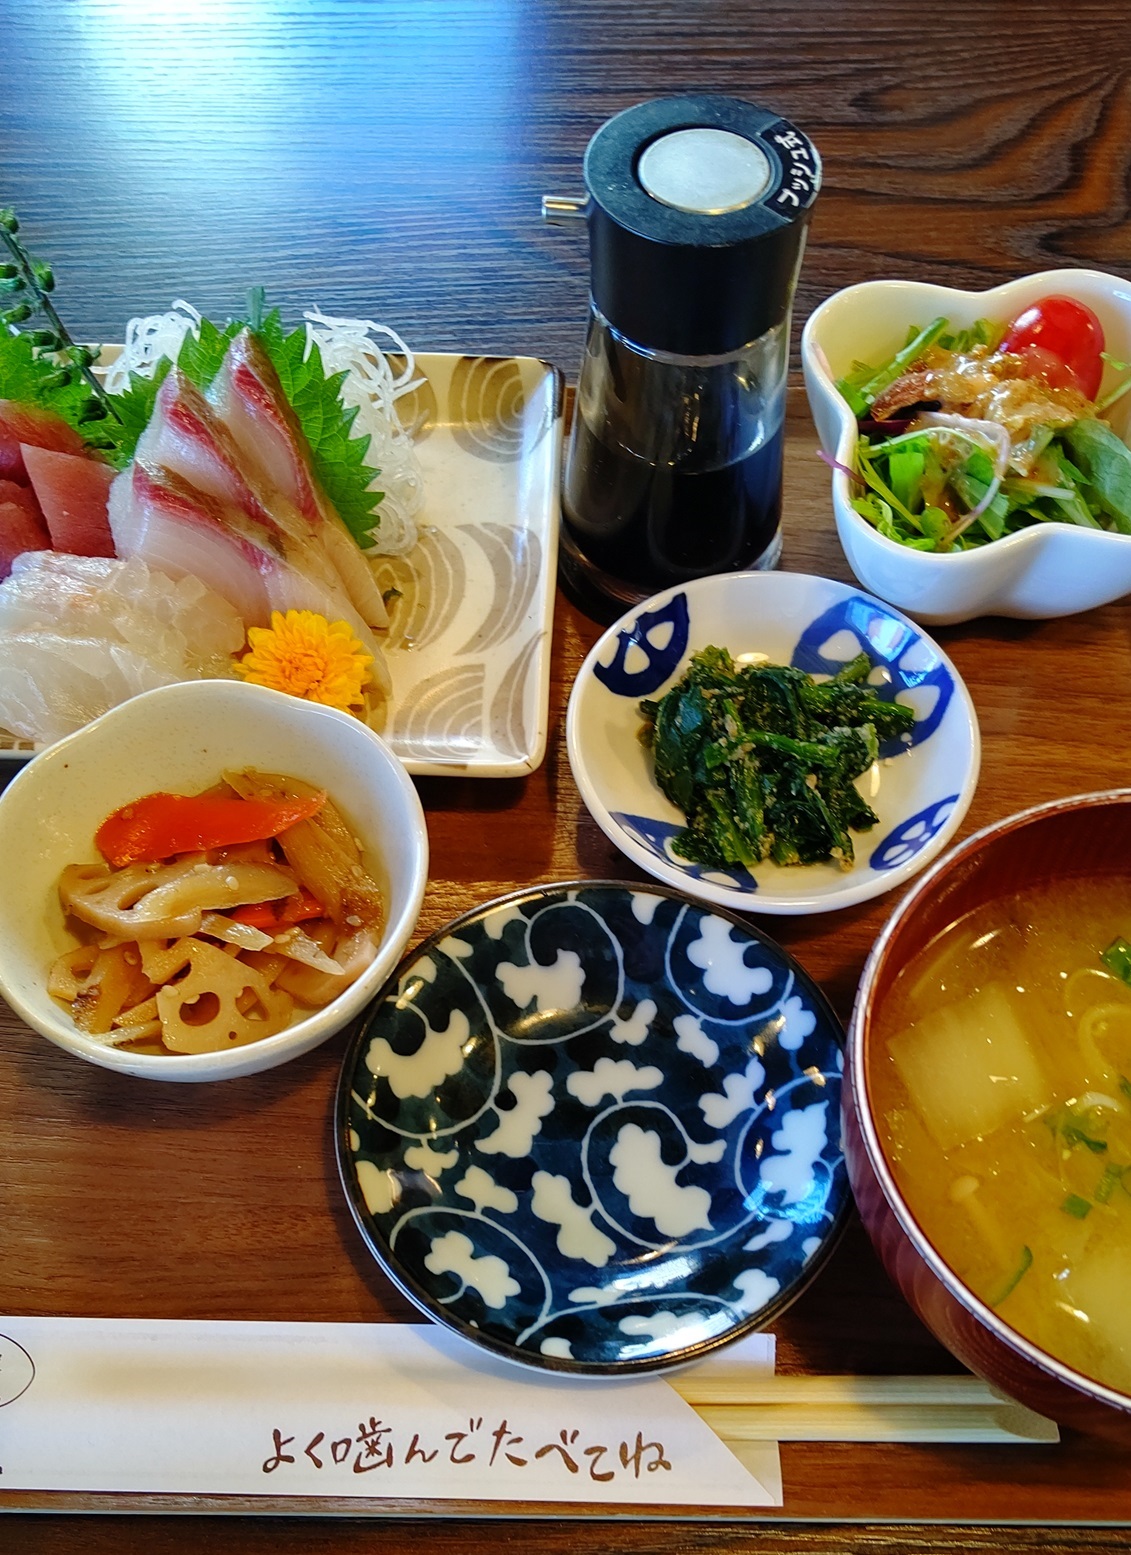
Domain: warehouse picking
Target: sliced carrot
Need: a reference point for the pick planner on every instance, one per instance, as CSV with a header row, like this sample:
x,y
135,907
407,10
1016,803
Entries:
x,y
276,915
158,826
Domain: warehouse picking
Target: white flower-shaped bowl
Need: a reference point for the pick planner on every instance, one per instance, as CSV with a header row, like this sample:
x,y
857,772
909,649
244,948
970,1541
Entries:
x,y
920,790
1048,570
180,739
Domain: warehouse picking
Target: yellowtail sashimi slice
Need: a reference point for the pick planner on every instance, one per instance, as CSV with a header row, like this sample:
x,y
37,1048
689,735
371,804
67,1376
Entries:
x,y
250,400
172,526
187,439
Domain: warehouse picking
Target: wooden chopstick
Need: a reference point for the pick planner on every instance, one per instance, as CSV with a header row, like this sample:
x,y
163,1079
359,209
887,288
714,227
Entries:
x,y
750,1406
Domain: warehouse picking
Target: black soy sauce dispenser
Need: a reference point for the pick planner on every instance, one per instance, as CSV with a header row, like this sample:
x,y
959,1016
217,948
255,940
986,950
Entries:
x,y
697,209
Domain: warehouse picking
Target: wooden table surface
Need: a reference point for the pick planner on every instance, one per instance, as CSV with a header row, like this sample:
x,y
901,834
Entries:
x,y
387,159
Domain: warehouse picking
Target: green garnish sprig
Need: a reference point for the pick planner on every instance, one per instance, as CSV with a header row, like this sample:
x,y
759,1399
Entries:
x,y
30,281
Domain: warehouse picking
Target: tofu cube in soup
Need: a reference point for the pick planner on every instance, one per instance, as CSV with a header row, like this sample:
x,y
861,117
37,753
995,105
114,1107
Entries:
x,y
1098,1291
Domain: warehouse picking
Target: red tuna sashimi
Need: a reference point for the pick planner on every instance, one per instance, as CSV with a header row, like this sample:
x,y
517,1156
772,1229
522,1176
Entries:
x,y
73,493
28,424
20,531
250,400
22,496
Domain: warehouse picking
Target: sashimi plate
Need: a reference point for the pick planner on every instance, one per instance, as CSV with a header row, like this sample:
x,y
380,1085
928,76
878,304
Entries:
x,y
468,644
595,1128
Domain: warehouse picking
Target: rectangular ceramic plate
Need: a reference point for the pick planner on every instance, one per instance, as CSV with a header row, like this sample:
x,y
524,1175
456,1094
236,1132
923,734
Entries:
x,y
469,638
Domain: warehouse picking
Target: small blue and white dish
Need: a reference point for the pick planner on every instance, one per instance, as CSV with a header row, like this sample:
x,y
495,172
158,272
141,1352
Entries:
x,y
920,788
595,1128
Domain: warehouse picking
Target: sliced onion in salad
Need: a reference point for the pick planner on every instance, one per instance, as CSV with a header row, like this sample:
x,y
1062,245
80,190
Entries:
x,y
988,434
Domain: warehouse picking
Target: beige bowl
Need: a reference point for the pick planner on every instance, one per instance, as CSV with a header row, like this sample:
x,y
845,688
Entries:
x,y
181,738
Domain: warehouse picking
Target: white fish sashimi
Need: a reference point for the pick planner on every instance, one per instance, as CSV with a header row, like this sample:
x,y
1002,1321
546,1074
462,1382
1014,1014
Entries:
x,y
78,635
177,623
51,685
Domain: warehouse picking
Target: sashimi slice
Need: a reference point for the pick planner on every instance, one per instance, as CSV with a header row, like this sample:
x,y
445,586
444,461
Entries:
x,y
51,685
11,459
187,437
22,496
178,623
73,492
20,531
171,526
79,634
250,400
355,572
28,424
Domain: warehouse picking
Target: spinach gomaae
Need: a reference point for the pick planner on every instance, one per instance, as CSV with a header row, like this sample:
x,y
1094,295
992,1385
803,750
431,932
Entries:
x,y
761,759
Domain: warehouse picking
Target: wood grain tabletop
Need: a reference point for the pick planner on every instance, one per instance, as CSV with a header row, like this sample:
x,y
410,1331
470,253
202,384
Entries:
x,y
387,159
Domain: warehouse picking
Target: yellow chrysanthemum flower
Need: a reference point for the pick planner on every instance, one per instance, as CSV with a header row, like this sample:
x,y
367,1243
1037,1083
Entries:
x,y
307,656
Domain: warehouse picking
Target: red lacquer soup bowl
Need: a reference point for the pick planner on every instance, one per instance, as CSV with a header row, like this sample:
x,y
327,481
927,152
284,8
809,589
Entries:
x,y
1082,837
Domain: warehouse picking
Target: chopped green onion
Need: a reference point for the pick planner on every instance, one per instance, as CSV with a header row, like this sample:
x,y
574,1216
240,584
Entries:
x,y
1076,1206
1117,959
1112,1177
1015,1278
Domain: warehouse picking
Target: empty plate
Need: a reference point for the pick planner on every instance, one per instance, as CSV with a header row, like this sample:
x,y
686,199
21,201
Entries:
x,y
596,1127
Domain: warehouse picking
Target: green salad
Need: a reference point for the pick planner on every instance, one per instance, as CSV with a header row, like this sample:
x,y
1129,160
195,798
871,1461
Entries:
x,y
967,435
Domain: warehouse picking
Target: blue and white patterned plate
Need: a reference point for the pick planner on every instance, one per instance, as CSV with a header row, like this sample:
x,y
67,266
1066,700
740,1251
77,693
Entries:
x,y
920,788
596,1128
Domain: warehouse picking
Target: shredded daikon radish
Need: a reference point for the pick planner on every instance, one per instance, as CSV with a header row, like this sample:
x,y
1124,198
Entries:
x,y
350,346
149,340
346,345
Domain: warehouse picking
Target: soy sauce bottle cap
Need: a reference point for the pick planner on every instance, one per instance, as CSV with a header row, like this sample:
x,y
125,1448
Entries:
x,y
697,213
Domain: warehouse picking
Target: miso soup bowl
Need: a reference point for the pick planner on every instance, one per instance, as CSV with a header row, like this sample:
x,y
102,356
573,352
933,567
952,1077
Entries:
x,y
1087,835
180,739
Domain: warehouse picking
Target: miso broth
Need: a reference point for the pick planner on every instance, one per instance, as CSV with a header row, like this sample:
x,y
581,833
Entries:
x,y
1002,1091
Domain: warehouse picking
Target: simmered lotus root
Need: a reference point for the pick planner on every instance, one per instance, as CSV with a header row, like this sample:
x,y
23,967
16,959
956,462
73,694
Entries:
x,y
220,1001
158,901
99,984
212,949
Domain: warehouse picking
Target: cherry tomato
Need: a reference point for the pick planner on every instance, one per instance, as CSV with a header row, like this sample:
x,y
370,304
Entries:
x,y
1063,339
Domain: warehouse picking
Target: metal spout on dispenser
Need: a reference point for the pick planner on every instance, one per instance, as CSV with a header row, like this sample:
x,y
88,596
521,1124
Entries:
x,y
560,209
